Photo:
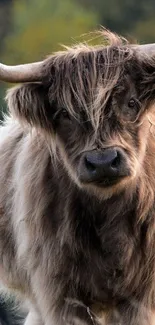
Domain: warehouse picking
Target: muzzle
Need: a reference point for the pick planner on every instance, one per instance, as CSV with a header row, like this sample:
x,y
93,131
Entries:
x,y
103,167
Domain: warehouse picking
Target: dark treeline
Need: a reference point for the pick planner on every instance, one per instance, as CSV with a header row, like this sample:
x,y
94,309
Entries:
x,y
130,17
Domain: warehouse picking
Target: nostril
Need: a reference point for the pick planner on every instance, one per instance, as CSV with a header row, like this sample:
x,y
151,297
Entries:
x,y
90,166
116,161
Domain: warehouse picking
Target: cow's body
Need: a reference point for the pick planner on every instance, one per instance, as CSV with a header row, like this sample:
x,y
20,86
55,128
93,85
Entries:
x,y
77,191
64,220
50,226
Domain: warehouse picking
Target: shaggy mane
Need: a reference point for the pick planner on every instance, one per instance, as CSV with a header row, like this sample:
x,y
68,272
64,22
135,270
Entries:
x,y
82,77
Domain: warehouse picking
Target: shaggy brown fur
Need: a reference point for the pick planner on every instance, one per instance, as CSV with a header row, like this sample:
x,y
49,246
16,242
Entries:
x,y
80,253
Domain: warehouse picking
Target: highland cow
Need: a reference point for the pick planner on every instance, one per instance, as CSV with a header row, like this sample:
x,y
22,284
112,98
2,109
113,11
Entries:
x,y
77,198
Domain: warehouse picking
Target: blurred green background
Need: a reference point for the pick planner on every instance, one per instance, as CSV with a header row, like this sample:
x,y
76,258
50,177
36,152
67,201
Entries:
x,y
32,29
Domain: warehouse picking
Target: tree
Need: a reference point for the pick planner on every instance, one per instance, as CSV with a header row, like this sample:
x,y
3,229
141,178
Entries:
x,y
5,17
38,27
145,31
123,16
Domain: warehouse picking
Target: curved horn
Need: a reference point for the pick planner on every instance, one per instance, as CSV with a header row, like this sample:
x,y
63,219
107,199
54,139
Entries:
x,y
21,73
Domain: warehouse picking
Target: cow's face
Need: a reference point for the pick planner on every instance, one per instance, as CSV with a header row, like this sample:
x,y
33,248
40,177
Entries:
x,y
101,132
110,159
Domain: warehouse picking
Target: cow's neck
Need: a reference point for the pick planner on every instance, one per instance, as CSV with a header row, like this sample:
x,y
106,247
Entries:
x,y
111,230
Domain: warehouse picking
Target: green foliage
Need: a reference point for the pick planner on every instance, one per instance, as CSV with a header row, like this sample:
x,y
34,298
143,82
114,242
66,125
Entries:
x,y
125,16
39,27
5,14
145,31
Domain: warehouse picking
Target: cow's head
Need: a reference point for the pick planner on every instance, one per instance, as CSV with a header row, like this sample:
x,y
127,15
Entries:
x,y
96,103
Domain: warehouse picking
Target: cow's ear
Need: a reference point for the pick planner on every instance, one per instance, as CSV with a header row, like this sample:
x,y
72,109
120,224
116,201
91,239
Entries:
x,y
29,103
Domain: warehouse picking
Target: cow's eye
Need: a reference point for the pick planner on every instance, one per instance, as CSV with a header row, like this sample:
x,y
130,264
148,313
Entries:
x,y
132,103
64,113
61,113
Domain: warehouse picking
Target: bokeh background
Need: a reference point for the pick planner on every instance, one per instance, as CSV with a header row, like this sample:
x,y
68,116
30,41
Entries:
x,y
32,29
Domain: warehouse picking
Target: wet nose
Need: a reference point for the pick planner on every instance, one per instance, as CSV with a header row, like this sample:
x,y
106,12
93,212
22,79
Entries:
x,y
104,162
104,167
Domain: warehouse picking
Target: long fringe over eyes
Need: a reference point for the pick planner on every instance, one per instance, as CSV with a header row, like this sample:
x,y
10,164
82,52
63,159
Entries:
x,y
82,77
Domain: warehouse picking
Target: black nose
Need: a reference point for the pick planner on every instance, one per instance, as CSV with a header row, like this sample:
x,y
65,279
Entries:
x,y
105,162
104,166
